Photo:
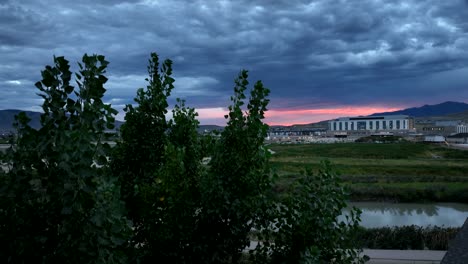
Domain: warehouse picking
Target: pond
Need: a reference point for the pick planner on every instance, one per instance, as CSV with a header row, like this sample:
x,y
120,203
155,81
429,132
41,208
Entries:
x,y
376,214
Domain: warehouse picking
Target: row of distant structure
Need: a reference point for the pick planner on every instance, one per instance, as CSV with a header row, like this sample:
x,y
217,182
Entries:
x,y
372,124
398,124
351,128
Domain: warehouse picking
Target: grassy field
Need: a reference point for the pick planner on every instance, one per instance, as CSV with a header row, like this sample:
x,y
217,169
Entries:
x,y
399,171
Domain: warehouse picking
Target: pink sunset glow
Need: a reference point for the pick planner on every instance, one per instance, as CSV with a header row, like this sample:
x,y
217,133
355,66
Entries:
x,y
215,116
306,116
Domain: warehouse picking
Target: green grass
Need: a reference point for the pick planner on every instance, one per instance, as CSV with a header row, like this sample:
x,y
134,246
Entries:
x,y
400,171
368,151
373,169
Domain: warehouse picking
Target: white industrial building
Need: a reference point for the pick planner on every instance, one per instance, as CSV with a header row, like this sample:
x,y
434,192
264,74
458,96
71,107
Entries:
x,y
388,123
462,129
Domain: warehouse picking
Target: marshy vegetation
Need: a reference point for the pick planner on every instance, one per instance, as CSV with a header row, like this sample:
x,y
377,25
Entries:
x,y
403,172
407,237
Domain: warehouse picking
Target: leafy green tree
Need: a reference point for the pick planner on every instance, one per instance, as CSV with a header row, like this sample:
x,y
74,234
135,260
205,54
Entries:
x,y
61,200
58,203
159,166
138,158
180,181
208,143
234,191
188,213
307,225
140,152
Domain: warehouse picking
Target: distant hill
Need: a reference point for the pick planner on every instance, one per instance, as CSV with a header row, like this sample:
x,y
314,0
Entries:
x,y
462,116
302,127
442,109
7,117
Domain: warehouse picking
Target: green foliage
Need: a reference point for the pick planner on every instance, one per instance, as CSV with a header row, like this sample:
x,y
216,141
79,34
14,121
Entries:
x,y
399,152
5,138
61,200
180,181
138,158
208,143
159,166
140,151
191,214
58,203
307,227
234,191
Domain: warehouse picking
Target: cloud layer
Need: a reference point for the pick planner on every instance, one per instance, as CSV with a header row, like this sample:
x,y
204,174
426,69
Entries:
x,y
311,54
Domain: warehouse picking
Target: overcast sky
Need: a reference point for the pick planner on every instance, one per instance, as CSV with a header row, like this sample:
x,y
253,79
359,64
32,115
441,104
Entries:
x,y
321,59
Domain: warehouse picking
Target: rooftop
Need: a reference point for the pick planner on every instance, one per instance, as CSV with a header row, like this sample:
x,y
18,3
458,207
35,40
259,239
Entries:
x,y
365,118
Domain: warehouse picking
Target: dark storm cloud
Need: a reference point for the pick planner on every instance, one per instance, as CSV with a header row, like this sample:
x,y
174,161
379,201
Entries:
x,y
310,53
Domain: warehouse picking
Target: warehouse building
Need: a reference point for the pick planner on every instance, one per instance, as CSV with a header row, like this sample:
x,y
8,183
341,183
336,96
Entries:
x,y
441,127
372,124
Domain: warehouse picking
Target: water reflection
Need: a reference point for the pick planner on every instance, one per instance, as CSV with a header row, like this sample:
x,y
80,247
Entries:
x,y
375,214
